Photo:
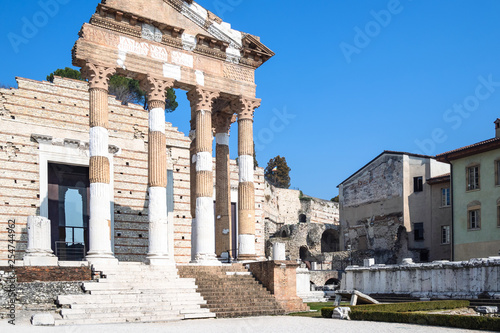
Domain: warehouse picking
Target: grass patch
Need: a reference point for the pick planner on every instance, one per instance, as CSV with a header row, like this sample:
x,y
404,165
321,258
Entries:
x,y
315,310
415,313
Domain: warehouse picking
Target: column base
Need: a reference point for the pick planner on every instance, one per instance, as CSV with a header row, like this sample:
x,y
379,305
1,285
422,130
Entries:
x,y
101,260
206,260
30,260
247,257
160,260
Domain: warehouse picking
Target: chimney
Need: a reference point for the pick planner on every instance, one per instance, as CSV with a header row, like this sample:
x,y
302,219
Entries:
x,y
497,128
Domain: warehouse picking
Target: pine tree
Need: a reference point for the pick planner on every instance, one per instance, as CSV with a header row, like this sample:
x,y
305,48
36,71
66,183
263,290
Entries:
x,y
277,172
124,89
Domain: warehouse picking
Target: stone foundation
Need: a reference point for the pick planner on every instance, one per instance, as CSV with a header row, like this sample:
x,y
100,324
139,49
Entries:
x,y
48,274
279,277
440,279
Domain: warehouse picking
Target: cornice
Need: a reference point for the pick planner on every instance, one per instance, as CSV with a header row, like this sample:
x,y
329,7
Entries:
x,y
248,52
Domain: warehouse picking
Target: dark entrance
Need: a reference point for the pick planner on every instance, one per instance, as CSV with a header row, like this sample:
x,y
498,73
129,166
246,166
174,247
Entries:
x,y
68,191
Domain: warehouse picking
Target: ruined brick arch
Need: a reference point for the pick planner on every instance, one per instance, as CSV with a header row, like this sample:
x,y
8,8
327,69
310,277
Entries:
x,y
302,218
330,241
332,281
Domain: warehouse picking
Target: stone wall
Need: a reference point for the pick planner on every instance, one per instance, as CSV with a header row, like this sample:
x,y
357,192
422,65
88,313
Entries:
x,y
307,236
320,211
439,279
279,277
49,274
41,121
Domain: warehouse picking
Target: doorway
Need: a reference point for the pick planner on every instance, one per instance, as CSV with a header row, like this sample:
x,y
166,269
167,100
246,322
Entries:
x,y
68,205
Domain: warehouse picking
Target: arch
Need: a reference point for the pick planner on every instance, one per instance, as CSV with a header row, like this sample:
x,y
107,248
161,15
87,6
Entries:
x,y
332,281
284,234
304,253
330,241
302,218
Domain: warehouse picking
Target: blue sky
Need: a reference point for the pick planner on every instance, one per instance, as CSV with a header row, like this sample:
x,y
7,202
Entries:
x,y
349,79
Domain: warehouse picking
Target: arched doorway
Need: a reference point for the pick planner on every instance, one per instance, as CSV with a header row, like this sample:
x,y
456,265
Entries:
x,y
330,241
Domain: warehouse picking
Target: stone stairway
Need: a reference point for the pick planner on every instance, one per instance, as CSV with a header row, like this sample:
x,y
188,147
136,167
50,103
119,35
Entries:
x,y
231,291
134,292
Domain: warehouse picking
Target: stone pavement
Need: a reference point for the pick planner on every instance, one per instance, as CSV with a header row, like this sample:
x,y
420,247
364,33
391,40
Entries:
x,y
278,324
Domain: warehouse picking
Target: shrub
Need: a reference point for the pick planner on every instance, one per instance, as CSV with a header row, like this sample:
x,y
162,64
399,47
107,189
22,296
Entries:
x,y
413,306
466,322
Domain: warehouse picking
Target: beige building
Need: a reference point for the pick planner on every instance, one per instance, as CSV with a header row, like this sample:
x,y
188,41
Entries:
x,y
441,212
385,207
475,171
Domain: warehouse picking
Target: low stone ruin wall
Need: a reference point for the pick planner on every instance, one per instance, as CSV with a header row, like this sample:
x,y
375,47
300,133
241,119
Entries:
x,y
36,288
439,279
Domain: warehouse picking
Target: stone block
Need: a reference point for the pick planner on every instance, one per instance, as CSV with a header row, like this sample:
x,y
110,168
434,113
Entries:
x,y
341,313
486,309
42,319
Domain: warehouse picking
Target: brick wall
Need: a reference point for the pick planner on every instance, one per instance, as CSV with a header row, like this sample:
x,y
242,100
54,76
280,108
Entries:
x,y
60,110
50,274
280,278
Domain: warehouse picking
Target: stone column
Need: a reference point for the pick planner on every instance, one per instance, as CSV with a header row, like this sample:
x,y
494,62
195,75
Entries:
x,y
245,108
39,252
157,171
223,228
99,169
203,236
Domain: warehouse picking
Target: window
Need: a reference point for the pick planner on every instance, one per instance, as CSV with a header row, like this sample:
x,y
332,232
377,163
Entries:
x,y
445,197
445,234
418,231
474,219
473,178
497,172
498,215
418,185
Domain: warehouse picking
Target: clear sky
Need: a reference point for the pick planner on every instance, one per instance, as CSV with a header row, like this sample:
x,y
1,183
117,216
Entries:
x,y
349,79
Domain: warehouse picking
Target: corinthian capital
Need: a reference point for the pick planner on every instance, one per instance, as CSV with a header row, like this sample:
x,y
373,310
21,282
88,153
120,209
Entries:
x,y
221,122
202,99
245,107
155,88
98,75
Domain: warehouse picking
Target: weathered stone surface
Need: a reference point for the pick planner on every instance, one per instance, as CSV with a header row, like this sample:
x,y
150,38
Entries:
x,y
42,319
486,309
439,279
341,313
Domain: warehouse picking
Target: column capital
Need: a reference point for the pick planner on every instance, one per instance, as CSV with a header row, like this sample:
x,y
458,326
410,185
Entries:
x,y
245,107
202,99
98,75
221,122
155,87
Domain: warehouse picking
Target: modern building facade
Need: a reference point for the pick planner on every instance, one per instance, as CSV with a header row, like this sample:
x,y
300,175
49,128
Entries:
x,y
476,198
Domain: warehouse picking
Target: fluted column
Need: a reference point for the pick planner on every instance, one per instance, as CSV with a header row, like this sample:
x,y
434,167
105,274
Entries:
x,y
245,108
99,167
203,236
223,228
155,89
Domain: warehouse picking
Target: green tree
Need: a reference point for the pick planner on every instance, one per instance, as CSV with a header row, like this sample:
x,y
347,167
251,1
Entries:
x,y
70,73
336,199
277,172
124,89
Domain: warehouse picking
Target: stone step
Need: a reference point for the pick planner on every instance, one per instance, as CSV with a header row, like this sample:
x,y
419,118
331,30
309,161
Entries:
x,y
94,286
244,313
119,320
129,298
191,304
132,308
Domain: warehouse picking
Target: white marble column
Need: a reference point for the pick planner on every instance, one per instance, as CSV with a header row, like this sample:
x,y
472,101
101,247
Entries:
x,y
100,210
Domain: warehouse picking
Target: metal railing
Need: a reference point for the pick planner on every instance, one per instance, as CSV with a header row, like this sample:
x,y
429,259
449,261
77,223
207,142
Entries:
x,y
70,251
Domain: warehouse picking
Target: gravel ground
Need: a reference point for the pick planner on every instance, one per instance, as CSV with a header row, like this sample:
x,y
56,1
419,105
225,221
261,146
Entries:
x,y
281,324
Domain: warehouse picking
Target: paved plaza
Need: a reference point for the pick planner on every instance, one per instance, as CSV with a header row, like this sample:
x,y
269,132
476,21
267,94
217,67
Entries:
x,y
278,324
